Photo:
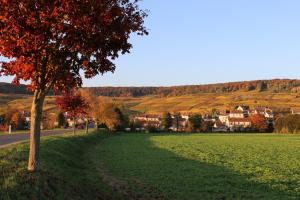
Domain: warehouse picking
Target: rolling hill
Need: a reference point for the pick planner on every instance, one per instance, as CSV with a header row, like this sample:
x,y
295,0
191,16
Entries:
x,y
280,94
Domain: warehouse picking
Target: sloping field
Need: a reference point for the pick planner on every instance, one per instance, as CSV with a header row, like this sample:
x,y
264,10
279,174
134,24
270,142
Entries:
x,y
206,102
22,102
202,102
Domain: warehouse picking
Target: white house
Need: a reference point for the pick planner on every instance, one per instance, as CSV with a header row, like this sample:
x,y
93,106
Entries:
x,y
265,111
236,114
295,111
238,122
223,116
244,109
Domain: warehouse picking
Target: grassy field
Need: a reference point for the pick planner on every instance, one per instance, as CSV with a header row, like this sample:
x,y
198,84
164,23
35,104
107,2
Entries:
x,y
206,166
148,166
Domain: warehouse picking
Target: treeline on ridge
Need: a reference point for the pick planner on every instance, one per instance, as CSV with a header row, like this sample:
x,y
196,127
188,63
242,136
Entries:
x,y
8,88
276,86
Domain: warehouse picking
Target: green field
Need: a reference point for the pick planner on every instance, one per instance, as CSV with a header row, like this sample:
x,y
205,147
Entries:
x,y
148,166
206,166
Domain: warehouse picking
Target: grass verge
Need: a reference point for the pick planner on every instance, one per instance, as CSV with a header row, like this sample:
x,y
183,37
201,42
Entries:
x,y
67,171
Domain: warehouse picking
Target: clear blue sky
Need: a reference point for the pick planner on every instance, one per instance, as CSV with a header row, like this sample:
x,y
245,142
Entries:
x,y
208,41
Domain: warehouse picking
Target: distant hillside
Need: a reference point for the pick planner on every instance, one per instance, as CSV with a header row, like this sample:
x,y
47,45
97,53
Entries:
x,y
8,88
274,86
280,95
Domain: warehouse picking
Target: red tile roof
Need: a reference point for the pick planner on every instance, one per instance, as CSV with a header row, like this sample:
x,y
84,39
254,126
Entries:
x,y
239,120
236,112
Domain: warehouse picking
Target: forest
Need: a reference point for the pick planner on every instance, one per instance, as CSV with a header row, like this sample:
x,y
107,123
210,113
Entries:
x,y
274,86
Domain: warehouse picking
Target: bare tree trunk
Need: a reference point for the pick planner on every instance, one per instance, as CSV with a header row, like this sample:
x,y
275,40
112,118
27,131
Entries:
x,y
87,126
177,124
35,131
74,126
96,125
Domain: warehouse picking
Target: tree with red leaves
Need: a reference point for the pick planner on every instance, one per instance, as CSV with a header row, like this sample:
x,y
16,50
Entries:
x,y
74,104
49,44
259,122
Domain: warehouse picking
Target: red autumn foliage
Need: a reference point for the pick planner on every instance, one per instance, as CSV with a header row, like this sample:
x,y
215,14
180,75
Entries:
x,y
259,122
74,104
49,42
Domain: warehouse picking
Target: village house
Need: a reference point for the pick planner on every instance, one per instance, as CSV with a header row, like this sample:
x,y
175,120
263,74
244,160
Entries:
x,y
179,124
26,116
223,116
238,123
208,118
154,120
220,126
244,109
149,120
265,111
233,120
295,111
236,114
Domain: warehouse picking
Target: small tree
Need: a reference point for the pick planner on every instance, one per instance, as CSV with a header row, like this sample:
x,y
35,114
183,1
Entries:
x,y
107,114
60,118
259,122
214,113
122,118
49,120
93,102
177,120
17,121
74,105
206,126
167,121
194,122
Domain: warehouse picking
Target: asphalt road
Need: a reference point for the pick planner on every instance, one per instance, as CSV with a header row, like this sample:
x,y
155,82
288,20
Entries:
x,y
9,139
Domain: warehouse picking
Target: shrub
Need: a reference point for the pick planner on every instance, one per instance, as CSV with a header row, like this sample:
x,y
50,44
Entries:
x,y
288,124
49,121
151,129
3,127
17,121
259,123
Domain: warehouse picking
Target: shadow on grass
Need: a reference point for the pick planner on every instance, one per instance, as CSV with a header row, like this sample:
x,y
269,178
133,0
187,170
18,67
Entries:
x,y
137,158
66,172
